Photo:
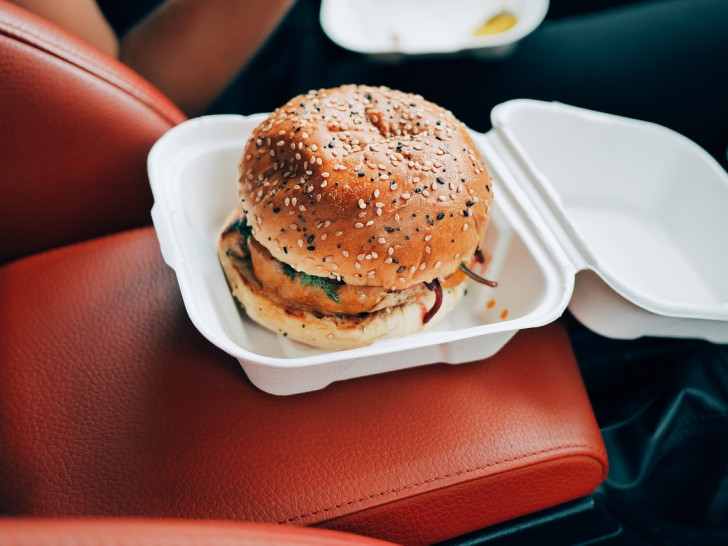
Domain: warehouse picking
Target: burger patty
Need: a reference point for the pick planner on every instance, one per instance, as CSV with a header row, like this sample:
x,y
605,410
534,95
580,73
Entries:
x,y
284,285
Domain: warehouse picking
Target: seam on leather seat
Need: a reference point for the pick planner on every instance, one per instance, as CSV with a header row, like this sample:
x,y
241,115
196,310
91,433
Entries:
x,y
87,64
450,475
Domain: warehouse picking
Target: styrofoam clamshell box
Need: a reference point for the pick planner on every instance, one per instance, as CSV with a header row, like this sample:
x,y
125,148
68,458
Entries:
x,y
394,29
620,220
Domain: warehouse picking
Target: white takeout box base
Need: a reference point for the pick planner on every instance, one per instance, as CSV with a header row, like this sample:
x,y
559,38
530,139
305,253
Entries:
x,y
621,220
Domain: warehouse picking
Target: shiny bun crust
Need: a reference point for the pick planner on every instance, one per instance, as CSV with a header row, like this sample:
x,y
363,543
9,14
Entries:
x,y
367,185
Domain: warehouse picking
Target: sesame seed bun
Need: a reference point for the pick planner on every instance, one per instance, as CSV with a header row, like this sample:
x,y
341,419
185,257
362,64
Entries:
x,y
365,185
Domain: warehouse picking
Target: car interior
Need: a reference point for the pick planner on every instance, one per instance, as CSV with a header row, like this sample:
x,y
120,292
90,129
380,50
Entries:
x,y
120,423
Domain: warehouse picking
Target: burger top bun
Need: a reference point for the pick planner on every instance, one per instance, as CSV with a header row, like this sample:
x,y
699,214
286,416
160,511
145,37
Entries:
x,y
367,185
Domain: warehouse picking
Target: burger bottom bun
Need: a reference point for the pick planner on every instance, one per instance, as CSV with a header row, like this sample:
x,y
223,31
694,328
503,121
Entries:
x,y
330,332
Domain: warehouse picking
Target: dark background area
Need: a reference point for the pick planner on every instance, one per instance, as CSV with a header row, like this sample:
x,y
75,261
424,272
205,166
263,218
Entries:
x,y
656,60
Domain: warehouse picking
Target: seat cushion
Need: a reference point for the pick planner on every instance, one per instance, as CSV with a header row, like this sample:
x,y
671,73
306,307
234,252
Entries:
x,y
111,403
77,126
125,532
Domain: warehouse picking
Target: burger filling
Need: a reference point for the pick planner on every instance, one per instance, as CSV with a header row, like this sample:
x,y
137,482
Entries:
x,y
298,290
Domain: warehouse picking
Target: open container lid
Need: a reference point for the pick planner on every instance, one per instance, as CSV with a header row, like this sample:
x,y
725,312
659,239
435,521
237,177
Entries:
x,y
621,219
635,206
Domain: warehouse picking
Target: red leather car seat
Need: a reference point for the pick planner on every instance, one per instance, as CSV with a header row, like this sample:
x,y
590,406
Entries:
x,y
125,532
76,128
112,404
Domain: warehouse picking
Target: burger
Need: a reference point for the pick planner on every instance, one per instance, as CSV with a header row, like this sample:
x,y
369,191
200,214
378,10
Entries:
x,y
360,217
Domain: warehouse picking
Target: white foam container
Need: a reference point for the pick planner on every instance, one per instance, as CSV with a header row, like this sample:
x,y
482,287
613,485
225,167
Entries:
x,y
623,221
394,29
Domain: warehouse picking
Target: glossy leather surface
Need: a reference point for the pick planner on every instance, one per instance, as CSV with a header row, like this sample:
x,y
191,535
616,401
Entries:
x,y
76,129
112,404
124,532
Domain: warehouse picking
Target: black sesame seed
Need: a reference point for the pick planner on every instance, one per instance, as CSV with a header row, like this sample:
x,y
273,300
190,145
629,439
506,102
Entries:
x,y
466,213
311,248
441,216
440,180
285,250
389,229
401,268
469,203
310,239
277,210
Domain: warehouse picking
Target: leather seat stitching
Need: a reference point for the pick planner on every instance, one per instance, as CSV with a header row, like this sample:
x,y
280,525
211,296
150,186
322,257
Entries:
x,y
444,477
92,67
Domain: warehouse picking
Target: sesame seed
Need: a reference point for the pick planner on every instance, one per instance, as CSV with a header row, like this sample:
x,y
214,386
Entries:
x,y
281,143
422,266
401,279
443,198
379,212
325,175
413,269
465,227
302,208
437,265
300,242
376,194
362,204
370,222
324,236
357,265
338,233
358,225
382,240
287,201
428,249
390,250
